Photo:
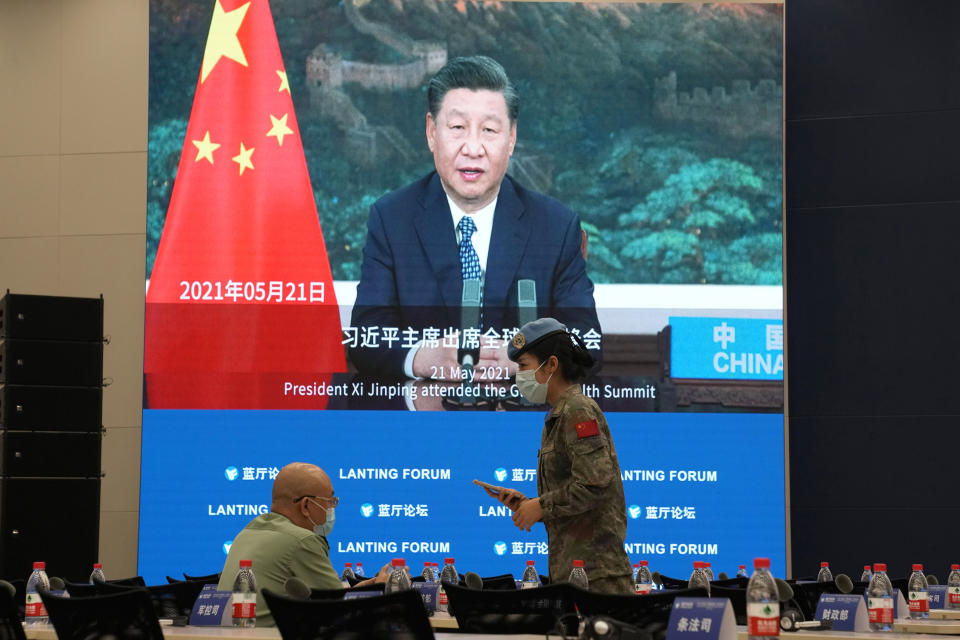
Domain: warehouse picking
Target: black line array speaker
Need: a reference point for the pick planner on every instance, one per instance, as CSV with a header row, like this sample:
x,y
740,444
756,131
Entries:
x,y
51,407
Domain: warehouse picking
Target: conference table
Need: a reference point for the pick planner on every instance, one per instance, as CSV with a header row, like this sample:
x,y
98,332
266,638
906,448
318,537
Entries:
x,y
928,626
945,614
46,632
902,631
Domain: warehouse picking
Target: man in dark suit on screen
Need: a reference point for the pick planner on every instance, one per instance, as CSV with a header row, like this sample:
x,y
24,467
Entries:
x,y
466,220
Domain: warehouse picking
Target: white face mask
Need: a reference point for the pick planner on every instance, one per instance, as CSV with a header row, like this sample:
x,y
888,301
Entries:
x,y
535,392
323,530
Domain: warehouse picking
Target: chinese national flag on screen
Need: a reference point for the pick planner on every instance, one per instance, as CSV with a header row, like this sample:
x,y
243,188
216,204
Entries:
x,y
241,296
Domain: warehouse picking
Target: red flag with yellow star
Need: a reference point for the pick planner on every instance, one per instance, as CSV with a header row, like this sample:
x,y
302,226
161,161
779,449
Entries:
x,y
240,305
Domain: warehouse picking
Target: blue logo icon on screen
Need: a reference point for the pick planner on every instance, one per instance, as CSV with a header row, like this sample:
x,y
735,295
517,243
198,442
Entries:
x,y
366,509
232,473
501,474
500,547
634,511
226,546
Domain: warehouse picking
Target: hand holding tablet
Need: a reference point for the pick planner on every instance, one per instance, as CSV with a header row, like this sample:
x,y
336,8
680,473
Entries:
x,y
510,497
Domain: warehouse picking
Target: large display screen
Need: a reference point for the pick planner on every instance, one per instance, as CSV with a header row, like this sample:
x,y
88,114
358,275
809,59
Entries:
x,y
294,315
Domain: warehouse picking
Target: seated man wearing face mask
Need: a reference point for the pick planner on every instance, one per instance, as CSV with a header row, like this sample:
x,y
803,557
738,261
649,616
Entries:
x,y
290,540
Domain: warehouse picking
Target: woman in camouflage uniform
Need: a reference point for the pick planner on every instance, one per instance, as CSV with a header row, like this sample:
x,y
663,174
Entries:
x,y
580,499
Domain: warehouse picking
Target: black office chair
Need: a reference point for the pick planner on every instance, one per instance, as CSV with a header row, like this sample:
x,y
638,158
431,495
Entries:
x,y
807,595
213,578
174,600
84,590
737,597
734,583
121,616
535,611
650,611
19,600
338,594
399,615
505,582
136,581
10,628
674,583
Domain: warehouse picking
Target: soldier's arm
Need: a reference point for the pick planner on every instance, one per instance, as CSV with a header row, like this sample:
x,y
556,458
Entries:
x,y
591,468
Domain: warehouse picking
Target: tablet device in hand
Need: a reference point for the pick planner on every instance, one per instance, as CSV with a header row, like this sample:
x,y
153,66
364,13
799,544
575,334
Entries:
x,y
489,487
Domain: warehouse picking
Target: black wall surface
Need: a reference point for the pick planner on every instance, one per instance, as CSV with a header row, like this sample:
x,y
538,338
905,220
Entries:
x,y
872,176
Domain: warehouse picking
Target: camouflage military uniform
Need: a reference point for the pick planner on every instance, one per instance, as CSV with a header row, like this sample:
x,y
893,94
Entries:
x,y
581,494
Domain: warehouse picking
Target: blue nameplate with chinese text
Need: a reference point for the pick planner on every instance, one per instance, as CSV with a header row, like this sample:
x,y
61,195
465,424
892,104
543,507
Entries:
x,y
702,619
937,594
428,592
353,594
212,608
847,611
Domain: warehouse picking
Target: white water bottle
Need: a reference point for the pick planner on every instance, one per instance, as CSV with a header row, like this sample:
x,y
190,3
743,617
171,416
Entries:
x,y
825,574
763,602
742,571
359,570
643,580
698,579
245,596
918,589
449,574
35,612
347,575
398,580
867,574
953,587
708,570
578,576
428,575
96,576
880,599
531,579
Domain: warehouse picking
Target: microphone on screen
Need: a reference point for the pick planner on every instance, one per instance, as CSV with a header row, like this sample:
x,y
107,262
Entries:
x,y
297,588
843,582
473,581
722,576
932,579
12,590
784,590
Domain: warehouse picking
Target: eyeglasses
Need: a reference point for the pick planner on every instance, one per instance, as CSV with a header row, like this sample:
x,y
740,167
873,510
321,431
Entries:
x,y
334,500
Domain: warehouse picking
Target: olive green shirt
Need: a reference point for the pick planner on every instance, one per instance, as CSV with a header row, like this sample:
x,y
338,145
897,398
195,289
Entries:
x,y
279,550
581,492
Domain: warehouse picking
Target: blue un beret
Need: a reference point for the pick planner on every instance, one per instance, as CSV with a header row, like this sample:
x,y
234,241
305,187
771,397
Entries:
x,y
532,333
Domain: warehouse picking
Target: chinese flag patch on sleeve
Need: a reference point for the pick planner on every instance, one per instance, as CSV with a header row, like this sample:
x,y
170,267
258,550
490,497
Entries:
x,y
587,429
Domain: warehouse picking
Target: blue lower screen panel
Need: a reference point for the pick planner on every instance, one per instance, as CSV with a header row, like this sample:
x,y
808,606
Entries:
x,y
698,486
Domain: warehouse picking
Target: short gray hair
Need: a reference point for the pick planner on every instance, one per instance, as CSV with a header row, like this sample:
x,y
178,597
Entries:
x,y
474,73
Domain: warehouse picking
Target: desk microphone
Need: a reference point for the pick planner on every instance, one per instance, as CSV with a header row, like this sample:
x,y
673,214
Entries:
x,y
469,319
526,301
57,584
784,590
12,590
473,581
932,579
843,582
722,576
297,588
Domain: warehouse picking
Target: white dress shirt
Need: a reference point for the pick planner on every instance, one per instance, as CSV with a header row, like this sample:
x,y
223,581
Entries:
x,y
483,220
